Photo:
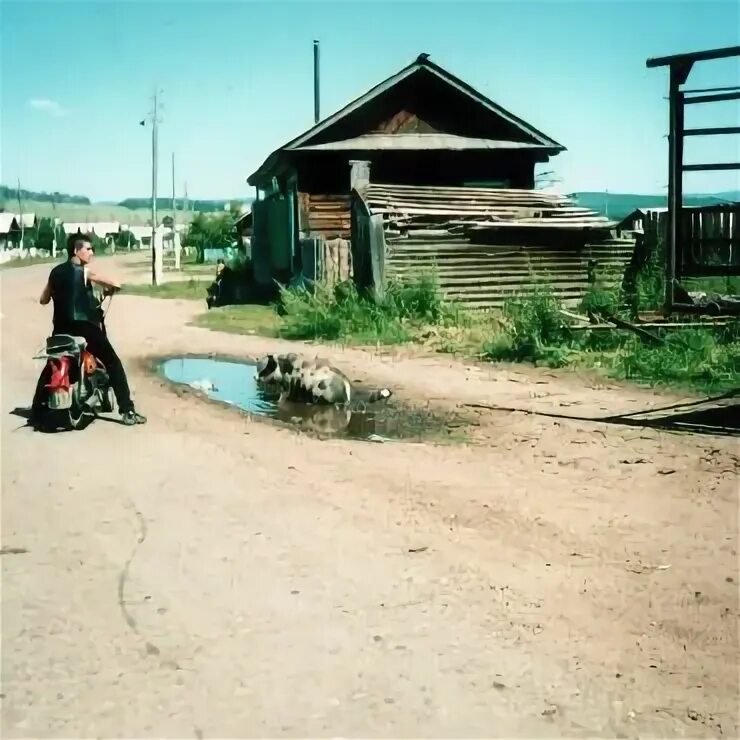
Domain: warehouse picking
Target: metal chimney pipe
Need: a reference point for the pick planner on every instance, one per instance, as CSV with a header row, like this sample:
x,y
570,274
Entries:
x,y
316,88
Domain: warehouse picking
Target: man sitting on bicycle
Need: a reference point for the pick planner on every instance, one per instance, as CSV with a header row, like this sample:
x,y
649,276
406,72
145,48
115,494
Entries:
x,y
78,313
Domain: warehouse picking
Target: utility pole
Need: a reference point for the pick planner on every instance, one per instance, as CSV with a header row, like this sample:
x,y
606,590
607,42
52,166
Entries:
x,y
316,84
20,212
54,227
156,252
174,205
175,236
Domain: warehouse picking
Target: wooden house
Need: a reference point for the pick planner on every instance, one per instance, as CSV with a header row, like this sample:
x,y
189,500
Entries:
x,y
12,226
421,126
244,229
10,230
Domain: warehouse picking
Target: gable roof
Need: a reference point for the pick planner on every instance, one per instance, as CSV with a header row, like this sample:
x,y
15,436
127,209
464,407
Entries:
x,y
368,142
28,219
140,232
100,228
8,223
422,62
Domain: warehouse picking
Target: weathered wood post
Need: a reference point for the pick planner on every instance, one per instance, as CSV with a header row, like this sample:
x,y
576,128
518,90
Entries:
x,y
370,265
359,176
377,256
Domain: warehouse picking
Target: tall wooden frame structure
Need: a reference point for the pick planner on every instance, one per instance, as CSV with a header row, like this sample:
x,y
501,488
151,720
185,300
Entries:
x,y
679,260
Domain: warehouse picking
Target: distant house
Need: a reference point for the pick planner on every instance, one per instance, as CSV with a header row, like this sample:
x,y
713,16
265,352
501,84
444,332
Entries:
x,y
635,221
12,226
244,230
102,229
142,234
29,220
421,126
165,235
10,232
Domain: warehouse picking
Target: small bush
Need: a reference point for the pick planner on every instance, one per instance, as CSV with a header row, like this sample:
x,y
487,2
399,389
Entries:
x,y
178,289
534,330
418,299
343,312
697,357
703,358
598,301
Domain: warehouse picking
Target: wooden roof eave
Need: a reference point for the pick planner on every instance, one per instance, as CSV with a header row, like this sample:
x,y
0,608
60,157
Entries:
x,y
277,164
420,63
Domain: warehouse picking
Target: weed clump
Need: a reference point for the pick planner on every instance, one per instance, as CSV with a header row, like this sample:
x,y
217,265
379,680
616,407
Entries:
x,y
534,331
343,312
697,357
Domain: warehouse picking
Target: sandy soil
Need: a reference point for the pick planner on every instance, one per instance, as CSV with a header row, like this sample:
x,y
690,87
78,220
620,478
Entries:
x,y
211,576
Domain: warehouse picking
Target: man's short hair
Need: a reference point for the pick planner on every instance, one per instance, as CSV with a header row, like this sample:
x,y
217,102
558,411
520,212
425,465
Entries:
x,y
73,240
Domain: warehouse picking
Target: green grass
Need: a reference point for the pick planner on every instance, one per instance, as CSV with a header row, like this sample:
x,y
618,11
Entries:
x,y
528,329
191,268
342,313
704,359
28,261
73,212
248,319
724,286
700,359
44,260
192,289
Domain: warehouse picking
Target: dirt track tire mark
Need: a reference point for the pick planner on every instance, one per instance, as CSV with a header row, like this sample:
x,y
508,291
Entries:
x,y
123,576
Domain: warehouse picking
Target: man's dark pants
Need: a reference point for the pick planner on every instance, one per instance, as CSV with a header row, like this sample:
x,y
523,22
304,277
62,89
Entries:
x,y
100,347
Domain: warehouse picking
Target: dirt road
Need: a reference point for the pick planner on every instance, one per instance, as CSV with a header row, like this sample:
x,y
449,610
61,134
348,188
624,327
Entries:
x,y
207,576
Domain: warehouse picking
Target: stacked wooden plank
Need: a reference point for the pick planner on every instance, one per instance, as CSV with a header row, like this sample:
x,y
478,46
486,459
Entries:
x,y
460,210
433,227
485,276
329,215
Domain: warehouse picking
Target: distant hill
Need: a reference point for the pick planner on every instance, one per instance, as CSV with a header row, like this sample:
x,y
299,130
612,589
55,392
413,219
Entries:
x,y
137,210
620,205
11,194
204,206
78,212
131,211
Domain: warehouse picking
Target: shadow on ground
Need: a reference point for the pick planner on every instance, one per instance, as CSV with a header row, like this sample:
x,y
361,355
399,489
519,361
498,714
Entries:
x,y
25,413
719,415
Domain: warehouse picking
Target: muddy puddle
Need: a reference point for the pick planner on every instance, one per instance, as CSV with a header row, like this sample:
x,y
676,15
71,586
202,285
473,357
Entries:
x,y
233,382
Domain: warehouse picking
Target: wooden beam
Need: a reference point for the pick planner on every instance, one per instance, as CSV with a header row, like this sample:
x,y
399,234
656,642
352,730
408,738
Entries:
x,y
694,56
675,182
712,89
646,336
711,131
712,98
711,166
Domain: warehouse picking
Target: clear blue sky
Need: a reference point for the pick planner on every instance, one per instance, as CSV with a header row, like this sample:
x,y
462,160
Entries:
x,y
237,83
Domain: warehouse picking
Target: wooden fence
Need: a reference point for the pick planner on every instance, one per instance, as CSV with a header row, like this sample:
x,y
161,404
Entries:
x,y
708,241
